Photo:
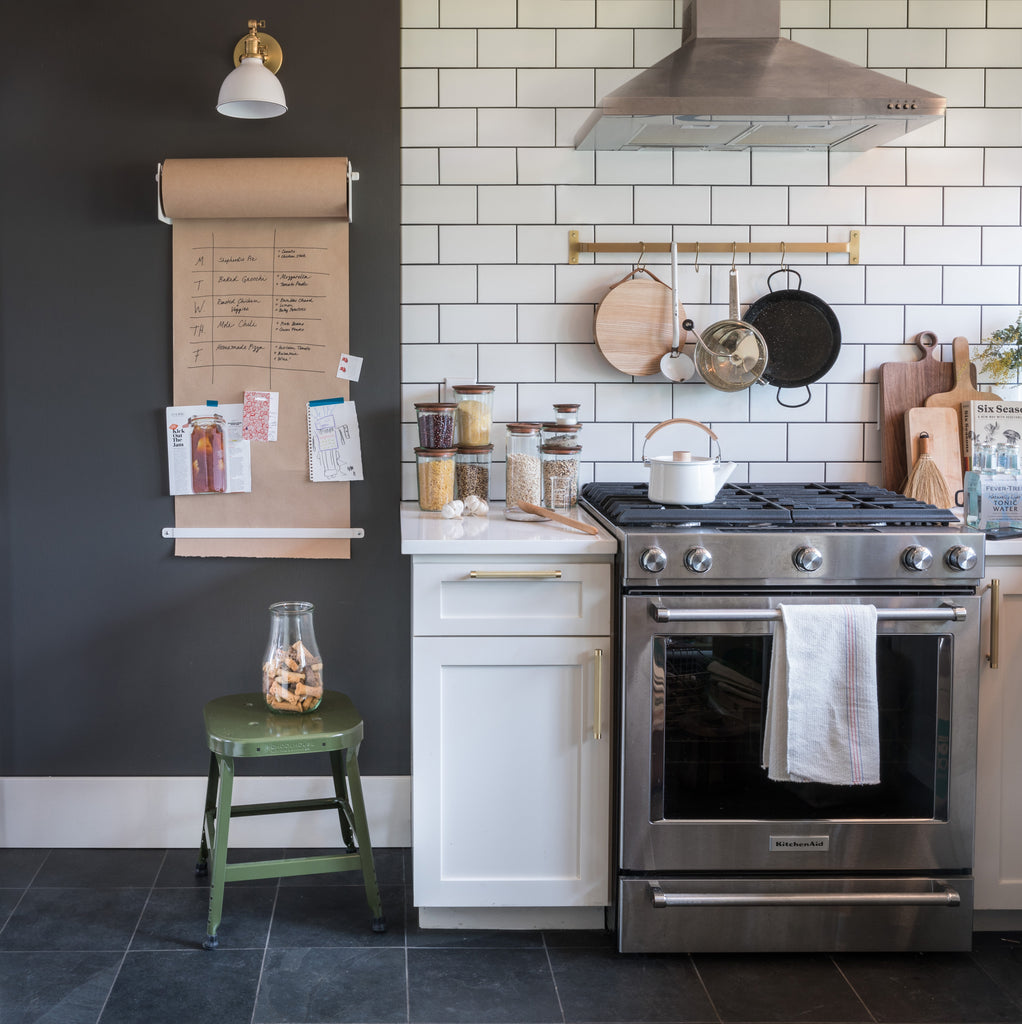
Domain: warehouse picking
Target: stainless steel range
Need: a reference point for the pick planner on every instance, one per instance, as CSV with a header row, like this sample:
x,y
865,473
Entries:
x,y
712,854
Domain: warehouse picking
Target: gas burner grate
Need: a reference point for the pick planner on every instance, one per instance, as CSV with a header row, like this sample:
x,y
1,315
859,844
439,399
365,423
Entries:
x,y
779,505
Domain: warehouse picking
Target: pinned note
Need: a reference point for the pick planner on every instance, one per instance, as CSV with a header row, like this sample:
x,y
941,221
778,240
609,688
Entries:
x,y
259,416
334,447
349,367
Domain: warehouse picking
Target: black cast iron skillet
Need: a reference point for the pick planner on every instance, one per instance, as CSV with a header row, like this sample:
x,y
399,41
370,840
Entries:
x,y
802,335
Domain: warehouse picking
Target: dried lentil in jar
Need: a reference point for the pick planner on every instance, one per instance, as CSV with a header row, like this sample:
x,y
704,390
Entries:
x,y
436,424
435,468
524,480
561,434
475,413
472,471
560,463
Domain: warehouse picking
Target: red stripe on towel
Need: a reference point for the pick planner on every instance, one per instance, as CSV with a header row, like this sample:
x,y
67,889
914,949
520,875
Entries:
x,y
855,754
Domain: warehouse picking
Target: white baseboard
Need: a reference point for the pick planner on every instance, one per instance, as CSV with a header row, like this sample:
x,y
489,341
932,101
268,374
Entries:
x,y
136,812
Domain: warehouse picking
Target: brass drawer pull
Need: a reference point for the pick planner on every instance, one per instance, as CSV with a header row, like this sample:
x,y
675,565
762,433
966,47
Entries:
x,y
515,574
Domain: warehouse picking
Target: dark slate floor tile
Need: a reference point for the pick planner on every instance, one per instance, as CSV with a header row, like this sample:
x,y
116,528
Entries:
x,y
92,868
779,988
176,918
602,985
179,867
177,987
335,915
481,986
9,899
19,867
69,988
83,919
999,956
927,988
389,864
580,939
336,985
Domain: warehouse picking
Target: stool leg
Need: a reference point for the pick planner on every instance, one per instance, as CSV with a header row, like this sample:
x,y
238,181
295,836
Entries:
x,y
213,776
341,792
220,839
365,849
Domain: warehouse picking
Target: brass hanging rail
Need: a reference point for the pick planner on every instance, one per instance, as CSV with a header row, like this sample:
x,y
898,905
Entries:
x,y
699,248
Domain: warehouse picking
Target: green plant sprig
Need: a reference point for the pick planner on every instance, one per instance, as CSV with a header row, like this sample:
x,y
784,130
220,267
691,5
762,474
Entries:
x,y
1001,360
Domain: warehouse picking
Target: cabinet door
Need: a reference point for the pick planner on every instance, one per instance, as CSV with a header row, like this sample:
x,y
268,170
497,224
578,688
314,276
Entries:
x,y
999,769
510,771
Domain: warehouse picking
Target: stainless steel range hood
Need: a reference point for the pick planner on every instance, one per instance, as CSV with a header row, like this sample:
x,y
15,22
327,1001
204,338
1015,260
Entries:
x,y
735,84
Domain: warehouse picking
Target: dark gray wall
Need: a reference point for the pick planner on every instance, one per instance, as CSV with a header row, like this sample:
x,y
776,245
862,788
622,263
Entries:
x,y
111,645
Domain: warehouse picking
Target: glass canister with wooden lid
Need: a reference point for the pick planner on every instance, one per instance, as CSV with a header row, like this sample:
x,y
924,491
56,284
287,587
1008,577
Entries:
x,y
474,413
523,475
560,475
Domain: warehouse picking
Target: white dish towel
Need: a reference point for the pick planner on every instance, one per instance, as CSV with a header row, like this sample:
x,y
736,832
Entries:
x,y
821,718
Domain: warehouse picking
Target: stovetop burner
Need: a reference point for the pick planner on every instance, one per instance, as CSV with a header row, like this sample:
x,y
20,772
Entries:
x,y
766,506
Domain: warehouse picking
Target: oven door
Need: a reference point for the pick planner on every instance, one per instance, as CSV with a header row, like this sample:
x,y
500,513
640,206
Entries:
x,y
694,797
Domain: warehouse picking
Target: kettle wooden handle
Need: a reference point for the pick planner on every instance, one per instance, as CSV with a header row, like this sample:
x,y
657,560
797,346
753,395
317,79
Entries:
x,y
694,423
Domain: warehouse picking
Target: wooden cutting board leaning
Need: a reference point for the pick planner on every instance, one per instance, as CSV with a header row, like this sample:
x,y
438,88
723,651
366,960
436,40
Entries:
x,y
904,386
944,428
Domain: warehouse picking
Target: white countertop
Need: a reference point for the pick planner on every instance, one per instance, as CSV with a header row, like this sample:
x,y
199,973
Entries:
x,y
428,533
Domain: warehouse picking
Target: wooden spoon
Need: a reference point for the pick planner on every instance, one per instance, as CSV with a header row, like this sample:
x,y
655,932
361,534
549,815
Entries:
x,y
538,510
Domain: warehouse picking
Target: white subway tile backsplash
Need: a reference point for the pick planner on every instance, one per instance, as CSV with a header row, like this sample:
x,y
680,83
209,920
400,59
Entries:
x,y
947,13
811,205
942,245
557,13
556,87
478,243
516,284
596,47
438,126
434,204
438,48
476,87
992,127
556,166
867,14
981,205
903,284
526,126
984,47
472,324
493,96
903,205
944,167
516,204
467,166
981,285
899,48
599,204
517,48
473,14
430,283
635,13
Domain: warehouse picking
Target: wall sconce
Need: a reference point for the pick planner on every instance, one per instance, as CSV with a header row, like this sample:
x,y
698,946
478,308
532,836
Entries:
x,y
252,89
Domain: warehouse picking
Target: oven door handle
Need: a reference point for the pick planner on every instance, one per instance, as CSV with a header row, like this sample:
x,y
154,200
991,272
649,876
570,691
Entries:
x,y
945,613
945,897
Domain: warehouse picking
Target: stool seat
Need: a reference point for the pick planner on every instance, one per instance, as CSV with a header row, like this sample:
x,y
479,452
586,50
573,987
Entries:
x,y
241,725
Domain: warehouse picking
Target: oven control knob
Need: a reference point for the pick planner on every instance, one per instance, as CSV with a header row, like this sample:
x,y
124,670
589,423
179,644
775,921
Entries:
x,y
961,558
917,558
698,559
808,559
653,560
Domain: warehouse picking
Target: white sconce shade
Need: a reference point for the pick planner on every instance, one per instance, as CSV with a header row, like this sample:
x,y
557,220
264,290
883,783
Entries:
x,y
252,90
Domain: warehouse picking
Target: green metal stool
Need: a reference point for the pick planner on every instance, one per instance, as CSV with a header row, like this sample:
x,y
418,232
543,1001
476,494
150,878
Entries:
x,y
242,726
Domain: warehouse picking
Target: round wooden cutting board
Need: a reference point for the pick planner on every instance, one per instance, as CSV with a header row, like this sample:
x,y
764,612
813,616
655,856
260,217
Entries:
x,y
633,326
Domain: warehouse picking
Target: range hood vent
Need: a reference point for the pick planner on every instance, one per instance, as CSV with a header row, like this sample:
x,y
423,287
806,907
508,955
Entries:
x,y
735,84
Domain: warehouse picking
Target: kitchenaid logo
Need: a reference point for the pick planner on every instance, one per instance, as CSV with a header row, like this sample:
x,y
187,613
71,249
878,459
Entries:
x,y
814,843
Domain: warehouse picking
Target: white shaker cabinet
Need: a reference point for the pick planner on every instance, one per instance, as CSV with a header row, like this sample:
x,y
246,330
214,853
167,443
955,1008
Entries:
x,y
998,860
512,734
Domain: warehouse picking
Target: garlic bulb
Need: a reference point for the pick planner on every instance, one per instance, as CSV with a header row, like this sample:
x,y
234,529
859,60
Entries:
x,y
480,508
453,509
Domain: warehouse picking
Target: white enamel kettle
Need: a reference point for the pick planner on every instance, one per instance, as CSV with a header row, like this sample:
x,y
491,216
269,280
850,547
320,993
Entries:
x,y
682,478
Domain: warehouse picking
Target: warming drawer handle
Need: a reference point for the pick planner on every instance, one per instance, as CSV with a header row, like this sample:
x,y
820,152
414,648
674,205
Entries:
x,y
946,897
515,574
947,613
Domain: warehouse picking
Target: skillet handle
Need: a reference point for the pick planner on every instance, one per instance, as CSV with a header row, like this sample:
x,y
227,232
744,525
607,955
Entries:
x,y
786,270
797,405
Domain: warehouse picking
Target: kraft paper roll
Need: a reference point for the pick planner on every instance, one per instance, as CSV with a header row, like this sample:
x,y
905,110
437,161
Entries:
x,y
268,187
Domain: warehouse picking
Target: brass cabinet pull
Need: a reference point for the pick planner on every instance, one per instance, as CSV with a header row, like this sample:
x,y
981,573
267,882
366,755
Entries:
x,y
598,695
515,574
994,586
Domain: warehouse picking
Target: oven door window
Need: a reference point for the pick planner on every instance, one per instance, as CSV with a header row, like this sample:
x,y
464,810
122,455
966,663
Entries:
x,y
709,702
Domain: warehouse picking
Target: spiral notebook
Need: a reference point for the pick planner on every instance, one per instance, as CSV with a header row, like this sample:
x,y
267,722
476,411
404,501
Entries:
x,y
335,452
